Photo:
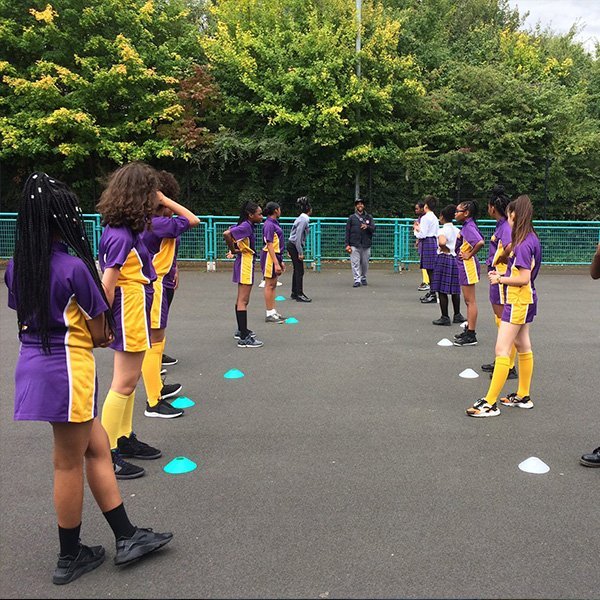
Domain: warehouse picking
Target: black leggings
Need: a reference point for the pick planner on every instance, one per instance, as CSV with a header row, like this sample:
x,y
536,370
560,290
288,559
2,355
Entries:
x,y
298,275
444,303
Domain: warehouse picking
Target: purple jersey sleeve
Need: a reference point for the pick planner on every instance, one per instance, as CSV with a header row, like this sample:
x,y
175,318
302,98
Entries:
x,y
505,234
269,230
524,254
8,280
471,234
117,246
87,294
241,231
169,227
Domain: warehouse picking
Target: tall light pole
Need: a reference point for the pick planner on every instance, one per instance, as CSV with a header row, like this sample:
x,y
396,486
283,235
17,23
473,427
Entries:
x,y
358,74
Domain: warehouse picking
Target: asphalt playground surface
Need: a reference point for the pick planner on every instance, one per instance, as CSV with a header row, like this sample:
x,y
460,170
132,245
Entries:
x,y
342,465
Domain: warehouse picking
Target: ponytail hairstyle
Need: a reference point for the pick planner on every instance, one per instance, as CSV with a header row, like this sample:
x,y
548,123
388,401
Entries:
x,y
270,208
129,199
472,208
303,204
499,200
522,211
449,212
429,201
48,210
248,208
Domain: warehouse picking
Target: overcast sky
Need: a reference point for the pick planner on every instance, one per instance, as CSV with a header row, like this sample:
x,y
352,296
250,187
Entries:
x,y
561,14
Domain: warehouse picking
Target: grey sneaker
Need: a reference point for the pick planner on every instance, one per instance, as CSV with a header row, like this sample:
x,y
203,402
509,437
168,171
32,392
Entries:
x,y
142,542
237,336
276,318
249,342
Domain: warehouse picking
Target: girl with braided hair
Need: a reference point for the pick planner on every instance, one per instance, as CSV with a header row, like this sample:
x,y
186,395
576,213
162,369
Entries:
x,y
62,314
241,242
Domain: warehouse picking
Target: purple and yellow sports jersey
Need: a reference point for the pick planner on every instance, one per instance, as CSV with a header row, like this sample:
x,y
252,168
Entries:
x,y
60,386
162,241
526,255
122,248
499,241
272,233
243,267
468,238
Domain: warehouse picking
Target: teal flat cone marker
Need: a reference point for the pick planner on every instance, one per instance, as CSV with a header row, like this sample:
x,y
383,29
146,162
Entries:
x,y
279,298
233,374
291,320
180,464
183,402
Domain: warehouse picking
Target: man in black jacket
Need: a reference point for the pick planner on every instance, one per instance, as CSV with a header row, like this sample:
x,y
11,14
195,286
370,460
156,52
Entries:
x,y
359,236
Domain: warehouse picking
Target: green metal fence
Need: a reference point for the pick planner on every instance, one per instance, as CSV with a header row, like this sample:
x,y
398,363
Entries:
x,y
563,242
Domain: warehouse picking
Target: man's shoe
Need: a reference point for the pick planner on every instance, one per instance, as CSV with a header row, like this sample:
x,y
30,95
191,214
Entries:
x,y
488,368
458,318
356,284
276,318
169,390
303,298
469,339
424,287
442,321
167,361
363,282
131,447
123,469
512,373
237,335
481,408
142,542
429,298
249,342
514,400
163,410
591,460
70,568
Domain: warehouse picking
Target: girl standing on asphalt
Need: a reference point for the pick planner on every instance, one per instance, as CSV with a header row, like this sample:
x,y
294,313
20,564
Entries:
x,y
295,248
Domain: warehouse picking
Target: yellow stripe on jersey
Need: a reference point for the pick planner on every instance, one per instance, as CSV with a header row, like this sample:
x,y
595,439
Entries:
x,y
81,365
276,244
522,294
247,269
470,268
136,335
269,267
131,271
518,314
163,259
500,267
157,301
244,246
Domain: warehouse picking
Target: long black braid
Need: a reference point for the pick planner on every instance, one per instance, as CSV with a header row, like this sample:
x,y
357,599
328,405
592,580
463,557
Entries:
x,y
48,211
248,208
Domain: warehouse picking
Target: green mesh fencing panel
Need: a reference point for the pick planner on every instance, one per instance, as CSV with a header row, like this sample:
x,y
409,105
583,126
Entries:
x,y
193,244
7,236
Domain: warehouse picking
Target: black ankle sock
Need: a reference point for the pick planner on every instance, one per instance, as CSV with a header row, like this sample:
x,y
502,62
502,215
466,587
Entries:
x,y
242,321
69,540
119,522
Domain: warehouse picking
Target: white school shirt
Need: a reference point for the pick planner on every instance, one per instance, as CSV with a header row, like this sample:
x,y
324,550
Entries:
x,y
450,232
429,226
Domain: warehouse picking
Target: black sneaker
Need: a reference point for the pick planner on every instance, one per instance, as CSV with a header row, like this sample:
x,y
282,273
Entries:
x,y
430,298
163,410
131,447
169,390
293,296
249,342
70,568
356,284
458,318
460,335
442,321
167,361
142,542
591,460
237,335
512,373
469,339
125,470
363,282
303,298
488,368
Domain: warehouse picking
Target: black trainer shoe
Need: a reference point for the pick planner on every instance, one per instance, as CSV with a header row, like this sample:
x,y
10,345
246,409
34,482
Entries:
x,y
237,335
293,296
142,542
514,400
125,470
356,284
169,390
512,373
249,342
70,568
363,281
430,298
442,321
131,447
469,339
167,361
458,318
591,460
460,335
303,298
163,410
488,368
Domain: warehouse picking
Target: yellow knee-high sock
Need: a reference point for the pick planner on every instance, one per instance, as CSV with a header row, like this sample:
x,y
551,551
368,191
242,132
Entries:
x,y
513,355
112,415
498,378
425,276
151,372
525,373
127,420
